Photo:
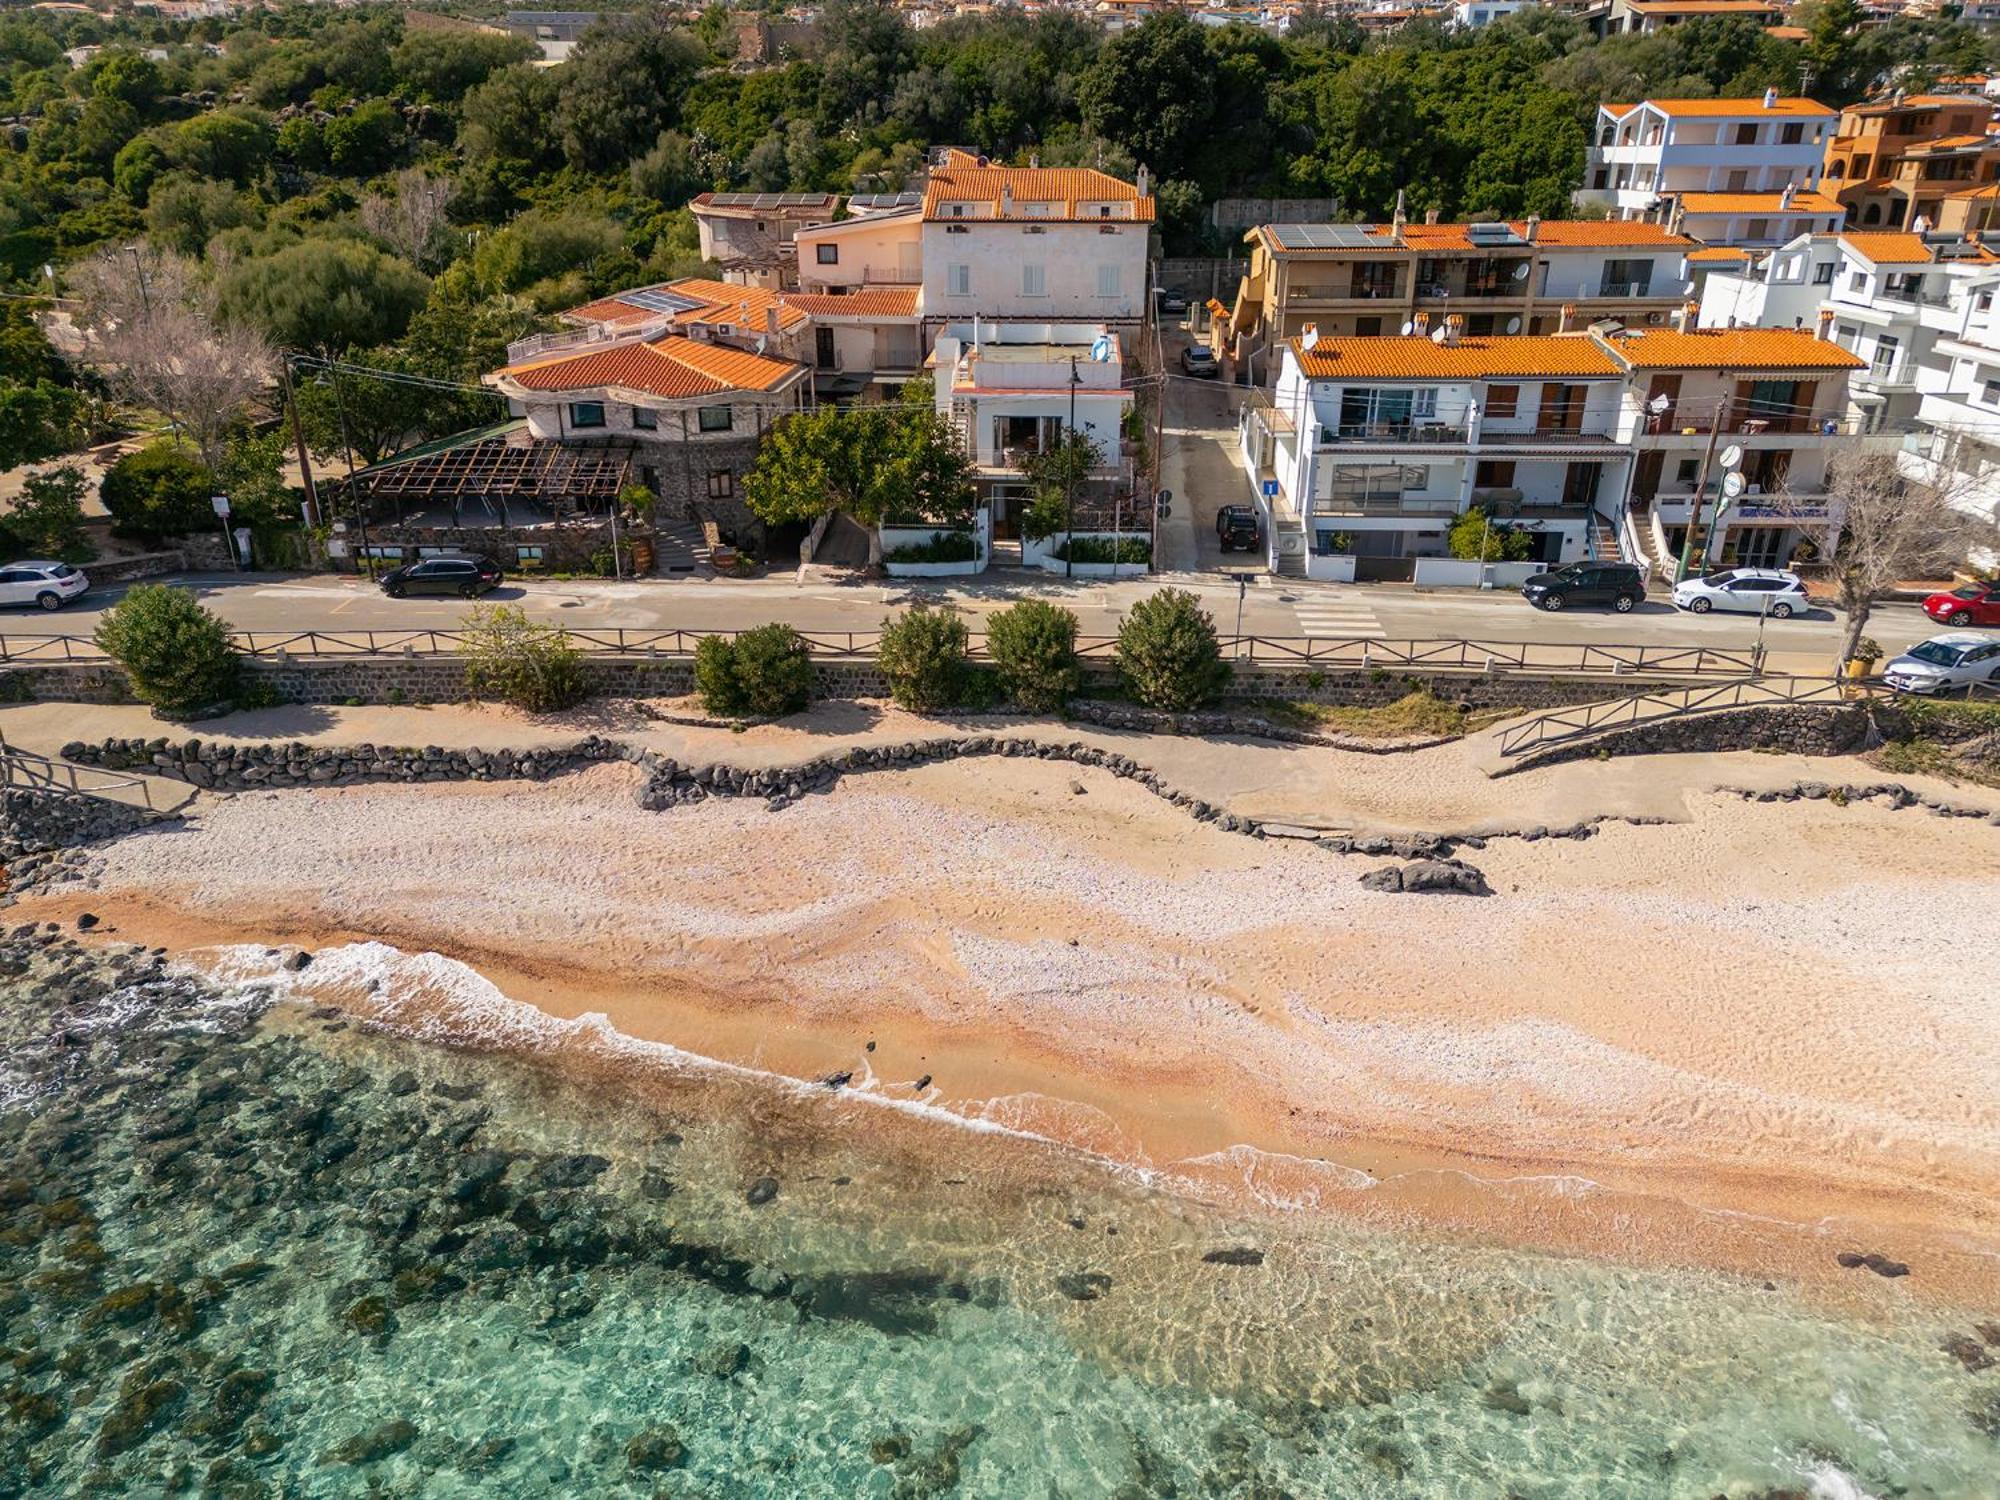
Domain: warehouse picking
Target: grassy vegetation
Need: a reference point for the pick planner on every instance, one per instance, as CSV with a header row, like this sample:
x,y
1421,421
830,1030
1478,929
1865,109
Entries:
x,y
1418,712
1966,759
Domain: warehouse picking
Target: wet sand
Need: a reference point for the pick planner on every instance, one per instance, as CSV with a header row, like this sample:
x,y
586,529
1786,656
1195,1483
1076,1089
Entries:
x,y
1744,1041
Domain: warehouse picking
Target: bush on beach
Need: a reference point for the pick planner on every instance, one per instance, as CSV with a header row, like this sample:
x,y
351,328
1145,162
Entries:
x,y
511,658
925,654
765,672
1169,654
1033,645
176,653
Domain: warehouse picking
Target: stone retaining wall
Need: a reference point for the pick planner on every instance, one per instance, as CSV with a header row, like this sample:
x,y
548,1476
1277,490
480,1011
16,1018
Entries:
x,y
239,767
441,679
1798,729
42,829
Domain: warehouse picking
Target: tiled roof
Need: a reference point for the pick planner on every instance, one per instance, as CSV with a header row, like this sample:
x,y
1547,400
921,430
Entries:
x,y
1559,234
1703,7
670,367
1719,253
610,310
1888,249
1913,101
1950,143
962,179
718,302
1758,203
1416,358
867,302
1731,349
1699,108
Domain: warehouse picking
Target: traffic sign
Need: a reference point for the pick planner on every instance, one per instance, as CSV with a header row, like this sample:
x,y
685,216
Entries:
x,y
1270,488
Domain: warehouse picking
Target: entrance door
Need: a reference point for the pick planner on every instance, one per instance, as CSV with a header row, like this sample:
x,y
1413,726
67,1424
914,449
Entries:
x,y
1561,409
1759,546
823,348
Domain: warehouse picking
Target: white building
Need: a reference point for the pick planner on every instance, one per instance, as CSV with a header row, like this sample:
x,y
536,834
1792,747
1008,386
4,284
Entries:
x,y
1039,244
1740,168
1471,15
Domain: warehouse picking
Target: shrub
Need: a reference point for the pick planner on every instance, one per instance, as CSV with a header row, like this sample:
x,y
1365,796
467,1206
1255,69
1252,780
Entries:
x,y
1477,537
943,547
764,672
1033,645
1104,549
511,658
176,653
924,655
1169,654
161,490
47,521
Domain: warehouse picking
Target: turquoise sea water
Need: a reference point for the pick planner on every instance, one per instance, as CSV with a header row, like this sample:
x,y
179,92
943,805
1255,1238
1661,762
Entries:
x,y
254,1248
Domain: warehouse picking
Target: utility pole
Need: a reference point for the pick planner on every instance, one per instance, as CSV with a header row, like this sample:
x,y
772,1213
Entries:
x,y
1700,490
347,448
299,440
1069,478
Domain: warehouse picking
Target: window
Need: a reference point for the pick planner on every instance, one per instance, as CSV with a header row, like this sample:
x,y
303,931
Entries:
x,y
1367,328
717,418
586,414
1494,474
1757,229
958,280
1823,273
721,484
1424,403
1857,281
827,255
1746,135
1738,182
1685,471
1793,134
1033,282
530,557
1107,281
1983,302
1884,362
645,419
1990,393
1503,401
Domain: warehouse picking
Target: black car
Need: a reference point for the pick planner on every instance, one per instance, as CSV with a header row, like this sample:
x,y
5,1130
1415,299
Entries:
x,y
467,577
1236,527
1616,584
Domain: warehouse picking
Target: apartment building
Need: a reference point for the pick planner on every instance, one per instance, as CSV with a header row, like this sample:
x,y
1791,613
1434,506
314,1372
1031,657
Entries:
x,y
1038,244
1727,171
1646,17
1896,160
1363,280
1593,442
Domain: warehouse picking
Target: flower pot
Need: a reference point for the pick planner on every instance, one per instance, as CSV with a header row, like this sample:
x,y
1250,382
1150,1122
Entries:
x,y
1858,668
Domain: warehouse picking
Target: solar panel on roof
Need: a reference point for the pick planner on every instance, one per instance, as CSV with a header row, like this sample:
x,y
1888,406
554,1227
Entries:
x,y
655,299
884,200
767,200
1325,236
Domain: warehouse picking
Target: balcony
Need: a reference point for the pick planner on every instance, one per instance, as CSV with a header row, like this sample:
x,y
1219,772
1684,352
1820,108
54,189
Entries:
x,y
1410,434
1414,506
1353,292
1598,291
1566,437
1670,425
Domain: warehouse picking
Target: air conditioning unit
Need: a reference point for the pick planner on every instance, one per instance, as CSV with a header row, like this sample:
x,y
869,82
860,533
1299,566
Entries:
x,y
1656,318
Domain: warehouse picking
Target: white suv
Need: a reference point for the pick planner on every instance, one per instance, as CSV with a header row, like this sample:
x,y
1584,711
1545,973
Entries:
x,y
48,584
1750,591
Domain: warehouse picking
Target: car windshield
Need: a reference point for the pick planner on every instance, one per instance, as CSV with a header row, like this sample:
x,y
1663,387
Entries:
x,y
61,570
1938,654
1970,591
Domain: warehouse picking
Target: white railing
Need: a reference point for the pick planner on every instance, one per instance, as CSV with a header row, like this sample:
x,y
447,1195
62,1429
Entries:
x,y
538,344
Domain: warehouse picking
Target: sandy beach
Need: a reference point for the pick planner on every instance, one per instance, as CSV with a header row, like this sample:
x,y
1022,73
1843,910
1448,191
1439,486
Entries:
x,y
1743,1039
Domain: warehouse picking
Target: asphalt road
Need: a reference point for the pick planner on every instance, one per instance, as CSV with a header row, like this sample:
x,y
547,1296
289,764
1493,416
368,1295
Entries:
x,y
1269,606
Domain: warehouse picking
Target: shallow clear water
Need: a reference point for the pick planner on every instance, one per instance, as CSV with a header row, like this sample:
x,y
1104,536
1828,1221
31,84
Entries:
x,y
253,1248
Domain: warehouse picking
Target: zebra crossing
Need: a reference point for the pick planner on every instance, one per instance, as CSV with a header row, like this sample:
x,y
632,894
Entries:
x,y
1337,613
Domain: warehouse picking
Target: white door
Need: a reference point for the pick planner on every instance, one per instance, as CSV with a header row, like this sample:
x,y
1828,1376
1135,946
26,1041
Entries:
x,y
17,585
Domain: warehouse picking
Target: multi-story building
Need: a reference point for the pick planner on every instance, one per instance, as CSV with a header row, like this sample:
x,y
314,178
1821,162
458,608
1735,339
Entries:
x,y
1892,161
1038,244
749,235
1593,442
1362,280
1648,16
1732,170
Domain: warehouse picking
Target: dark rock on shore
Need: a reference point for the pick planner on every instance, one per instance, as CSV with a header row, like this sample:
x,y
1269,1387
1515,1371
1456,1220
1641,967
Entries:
x,y
1234,1255
1880,1264
1969,1352
1429,876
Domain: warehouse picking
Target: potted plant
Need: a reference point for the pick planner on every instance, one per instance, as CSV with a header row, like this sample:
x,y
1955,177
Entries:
x,y
1867,651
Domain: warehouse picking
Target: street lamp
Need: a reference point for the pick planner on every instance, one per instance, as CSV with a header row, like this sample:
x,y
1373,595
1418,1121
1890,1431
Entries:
x,y
1732,460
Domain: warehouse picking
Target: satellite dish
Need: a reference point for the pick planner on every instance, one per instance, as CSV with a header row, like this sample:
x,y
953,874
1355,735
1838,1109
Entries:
x,y
1687,289
1658,404
1309,340
1409,327
1437,335
1732,456
1733,484
1513,325
1521,271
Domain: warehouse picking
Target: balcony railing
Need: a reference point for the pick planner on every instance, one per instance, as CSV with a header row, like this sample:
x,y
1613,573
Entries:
x,y
1544,435
1384,505
1748,424
1416,431
1586,291
538,344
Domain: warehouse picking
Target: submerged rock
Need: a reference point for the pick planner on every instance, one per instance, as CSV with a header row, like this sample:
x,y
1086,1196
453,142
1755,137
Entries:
x,y
762,1191
655,1448
1234,1255
143,1408
381,1441
1083,1286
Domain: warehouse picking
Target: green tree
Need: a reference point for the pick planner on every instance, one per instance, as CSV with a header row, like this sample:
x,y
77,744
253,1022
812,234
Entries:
x,y
1169,654
506,119
441,67
324,294
926,655
516,660
540,245
1057,476
1033,646
176,653
47,521
184,212
228,144
873,462
619,87
1152,90
1474,535
161,490
39,420
366,140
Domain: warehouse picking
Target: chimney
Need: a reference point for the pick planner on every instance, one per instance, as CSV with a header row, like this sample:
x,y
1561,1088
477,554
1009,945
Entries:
x,y
1825,329
1454,327
1568,317
1145,182
1785,198
1685,320
1401,217
1420,325
1430,216
1034,160
1534,227
1770,98
771,318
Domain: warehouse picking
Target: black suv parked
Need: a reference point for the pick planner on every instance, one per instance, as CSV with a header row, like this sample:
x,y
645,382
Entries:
x,y
1236,527
465,576
1616,584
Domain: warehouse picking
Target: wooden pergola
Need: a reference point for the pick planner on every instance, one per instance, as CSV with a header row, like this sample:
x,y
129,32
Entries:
x,y
557,477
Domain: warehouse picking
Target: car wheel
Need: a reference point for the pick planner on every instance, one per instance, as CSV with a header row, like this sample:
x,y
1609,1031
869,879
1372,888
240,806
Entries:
x,y
1959,617
1700,606
468,591
395,591
1781,611
1553,603
48,600
1623,604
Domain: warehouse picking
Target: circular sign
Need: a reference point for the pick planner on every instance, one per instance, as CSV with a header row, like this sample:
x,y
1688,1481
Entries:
x,y
1733,484
1732,456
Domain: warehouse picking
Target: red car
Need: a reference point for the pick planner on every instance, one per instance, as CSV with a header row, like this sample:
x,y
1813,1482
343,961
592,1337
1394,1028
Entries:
x,y
1975,604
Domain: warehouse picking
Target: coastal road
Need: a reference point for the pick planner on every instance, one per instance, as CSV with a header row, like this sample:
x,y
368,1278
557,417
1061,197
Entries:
x,y
1270,606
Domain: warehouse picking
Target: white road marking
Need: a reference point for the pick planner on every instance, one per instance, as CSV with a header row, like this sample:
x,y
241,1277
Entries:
x,y
1338,616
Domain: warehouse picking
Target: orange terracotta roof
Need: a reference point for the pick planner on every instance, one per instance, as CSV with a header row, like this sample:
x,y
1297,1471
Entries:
x,y
1730,349
962,179
1615,232
1703,7
1430,238
1950,143
1416,358
610,310
867,302
1697,108
1888,249
1787,33
1711,253
670,367
1758,203
719,303
1912,101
